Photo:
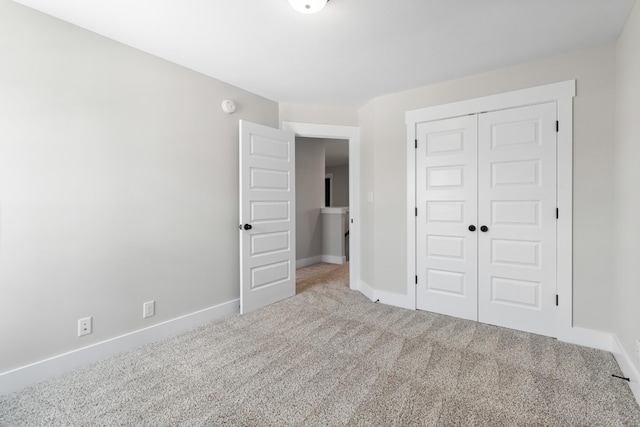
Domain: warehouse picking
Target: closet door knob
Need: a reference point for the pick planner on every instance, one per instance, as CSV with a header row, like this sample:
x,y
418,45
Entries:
x,y
484,228
248,227
472,228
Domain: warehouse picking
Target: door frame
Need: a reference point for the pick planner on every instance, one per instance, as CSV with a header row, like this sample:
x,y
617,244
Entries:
x,y
562,94
352,134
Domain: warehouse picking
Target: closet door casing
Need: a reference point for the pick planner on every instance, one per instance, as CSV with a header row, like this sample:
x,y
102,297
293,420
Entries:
x,y
486,220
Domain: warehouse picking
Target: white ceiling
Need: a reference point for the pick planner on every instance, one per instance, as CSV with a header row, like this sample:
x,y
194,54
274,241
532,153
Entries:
x,y
352,50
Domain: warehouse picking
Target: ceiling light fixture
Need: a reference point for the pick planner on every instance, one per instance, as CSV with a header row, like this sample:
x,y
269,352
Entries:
x,y
308,6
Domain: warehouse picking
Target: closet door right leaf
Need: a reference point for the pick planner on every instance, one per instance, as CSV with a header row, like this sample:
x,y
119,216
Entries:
x,y
517,216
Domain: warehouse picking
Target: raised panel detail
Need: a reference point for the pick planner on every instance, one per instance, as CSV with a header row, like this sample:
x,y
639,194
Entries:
x,y
522,213
516,174
445,177
515,134
267,179
445,281
269,148
270,243
270,211
520,293
449,211
445,247
445,143
515,252
270,274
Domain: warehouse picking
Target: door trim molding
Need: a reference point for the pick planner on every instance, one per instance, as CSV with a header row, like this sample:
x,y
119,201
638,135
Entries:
x,y
352,134
562,94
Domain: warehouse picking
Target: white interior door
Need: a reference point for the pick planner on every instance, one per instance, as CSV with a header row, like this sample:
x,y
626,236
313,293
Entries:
x,y
267,216
446,191
517,204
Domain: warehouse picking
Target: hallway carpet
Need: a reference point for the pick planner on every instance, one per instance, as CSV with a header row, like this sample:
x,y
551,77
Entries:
x,y
329,356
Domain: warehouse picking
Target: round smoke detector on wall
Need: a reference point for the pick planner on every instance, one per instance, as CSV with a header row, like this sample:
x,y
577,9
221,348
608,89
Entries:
x,y
228,106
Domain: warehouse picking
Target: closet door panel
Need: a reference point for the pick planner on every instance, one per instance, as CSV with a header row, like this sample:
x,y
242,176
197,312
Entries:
x,y
446,187
517,204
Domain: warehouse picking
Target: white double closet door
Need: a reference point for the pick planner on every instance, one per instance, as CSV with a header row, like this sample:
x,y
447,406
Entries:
x,y
486,218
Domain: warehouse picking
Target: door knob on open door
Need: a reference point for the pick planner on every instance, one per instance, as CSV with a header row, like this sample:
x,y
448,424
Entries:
x,y
248,227
484,228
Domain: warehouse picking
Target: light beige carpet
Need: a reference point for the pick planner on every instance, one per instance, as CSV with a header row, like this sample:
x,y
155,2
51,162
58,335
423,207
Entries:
x,y
328,357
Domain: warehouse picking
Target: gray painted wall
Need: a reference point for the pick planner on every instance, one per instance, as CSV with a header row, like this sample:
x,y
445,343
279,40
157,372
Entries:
x,y
384,255
309,197
340,185
627,180
118,184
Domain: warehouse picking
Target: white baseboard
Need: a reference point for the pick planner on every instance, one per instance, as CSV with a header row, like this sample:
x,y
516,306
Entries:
x,y
575,335
332,259
627,367
366,290
388,298
305,262
588,338
607,342
19,378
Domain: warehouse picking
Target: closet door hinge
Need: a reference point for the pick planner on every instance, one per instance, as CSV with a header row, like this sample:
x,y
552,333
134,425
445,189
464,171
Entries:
x,y
416,211
556,299
557,126
416,143
557,213
416,279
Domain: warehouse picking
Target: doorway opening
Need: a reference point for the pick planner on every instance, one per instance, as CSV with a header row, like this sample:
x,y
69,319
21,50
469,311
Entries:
x,y
322,201
351,138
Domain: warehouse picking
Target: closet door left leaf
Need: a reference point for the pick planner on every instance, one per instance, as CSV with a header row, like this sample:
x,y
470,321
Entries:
x,y
446,197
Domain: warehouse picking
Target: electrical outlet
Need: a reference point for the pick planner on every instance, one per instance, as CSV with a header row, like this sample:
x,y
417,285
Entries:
x,y
148,309
84,326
